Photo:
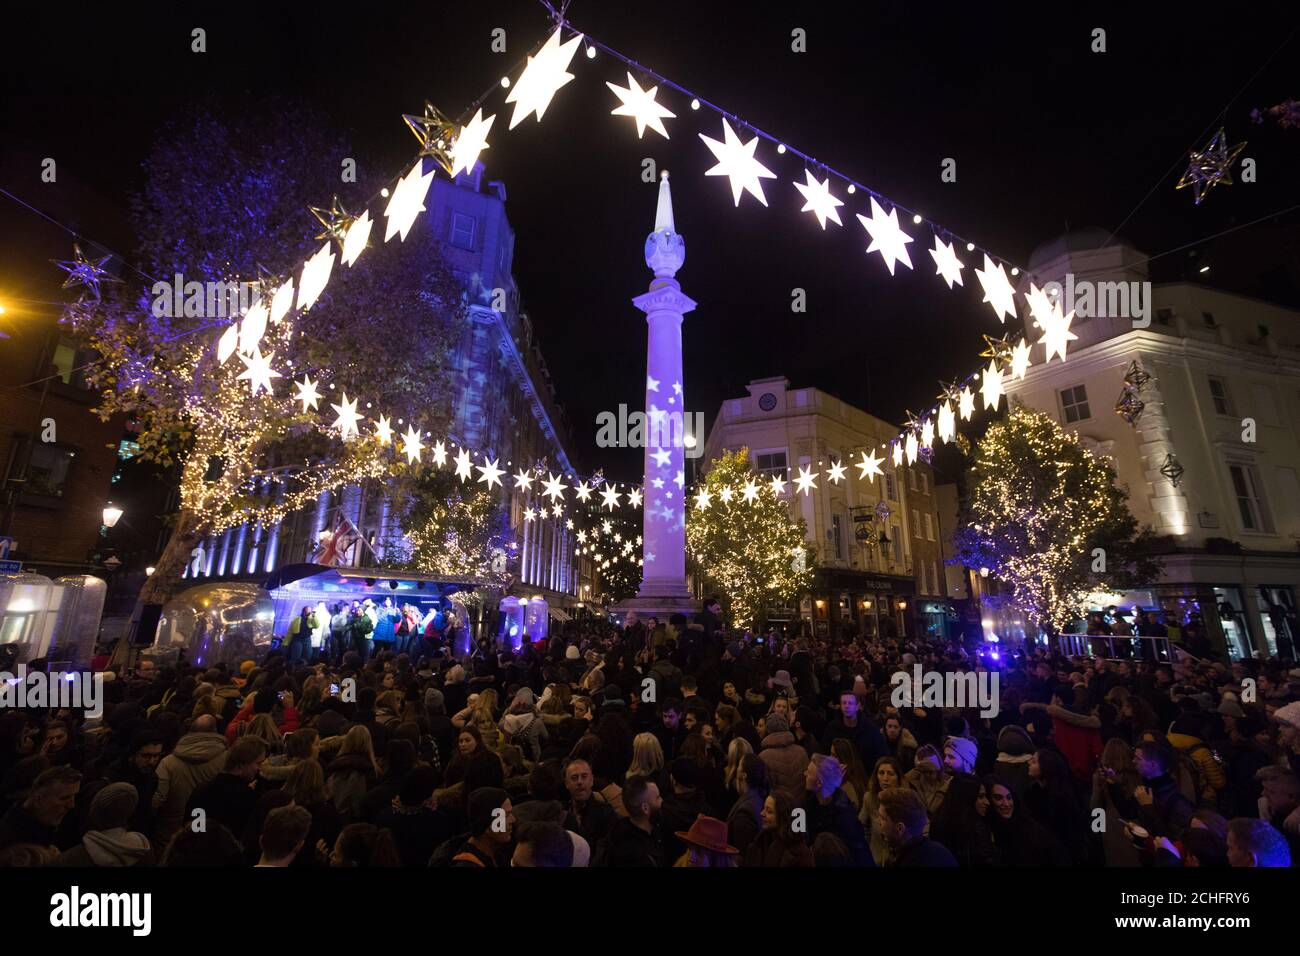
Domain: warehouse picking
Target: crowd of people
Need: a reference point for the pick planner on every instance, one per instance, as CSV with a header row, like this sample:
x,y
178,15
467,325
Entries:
x,y
659,744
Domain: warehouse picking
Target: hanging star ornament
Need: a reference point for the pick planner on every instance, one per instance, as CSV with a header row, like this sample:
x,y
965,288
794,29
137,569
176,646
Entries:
x,y
702,499
1020,359
947,422
869,466
897,454
641,106
334,221
583,491
258,371
315,276
435,133
471,143
946,263
991,386
886,236
836,473
1210,166
1056,333
307,393
634,497
82,272
750,491
355,239
966,403
818,199
542,77
489,472
777,484
611,498
910,448
439,454
998,292
998,349
553,488
383,431
464,465
805,481
407,201
736,161
927,433
228,343
1040,305
347,419
523,480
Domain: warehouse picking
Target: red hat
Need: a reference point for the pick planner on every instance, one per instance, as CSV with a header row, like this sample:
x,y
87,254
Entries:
x,y
708,833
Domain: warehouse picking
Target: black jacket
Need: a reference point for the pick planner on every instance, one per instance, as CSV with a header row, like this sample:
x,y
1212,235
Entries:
x,y
924,852
1170,811
866,737
226,799
598,818
629,845
839,817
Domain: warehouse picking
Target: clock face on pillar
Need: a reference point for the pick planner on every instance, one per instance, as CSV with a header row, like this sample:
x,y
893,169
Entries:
x,y
767,401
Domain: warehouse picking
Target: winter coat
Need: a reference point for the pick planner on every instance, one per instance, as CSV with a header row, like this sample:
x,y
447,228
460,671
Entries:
x,y
116,847
745,821
527,732
924,852
1078,736
932,789
880,850
352,776
865,736
195,761
786,762
1170,810
1212,779
629,845
839,817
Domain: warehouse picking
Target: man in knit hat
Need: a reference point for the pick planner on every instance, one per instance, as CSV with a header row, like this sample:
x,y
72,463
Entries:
x,y
959,754
107,841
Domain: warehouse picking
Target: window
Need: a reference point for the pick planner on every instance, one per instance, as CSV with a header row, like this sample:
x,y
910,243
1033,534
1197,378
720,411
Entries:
x,y
1219,392
898,545
837,532
1074,404
929,527
923,480
890,491
462,230
47,473
916,522
65,362
1250,498
911,478
938,581
771,464
1208,319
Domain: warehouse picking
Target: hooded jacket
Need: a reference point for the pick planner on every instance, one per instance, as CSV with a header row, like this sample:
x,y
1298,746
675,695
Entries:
x,y
196,759
1212,777
1015,747
115,847
786,762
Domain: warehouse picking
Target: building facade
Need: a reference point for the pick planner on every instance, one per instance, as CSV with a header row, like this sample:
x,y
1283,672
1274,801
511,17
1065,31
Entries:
x,y
1211,460
876,543
504,405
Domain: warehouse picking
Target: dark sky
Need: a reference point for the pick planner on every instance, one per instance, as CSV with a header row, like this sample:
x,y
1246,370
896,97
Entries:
x,y
1045,134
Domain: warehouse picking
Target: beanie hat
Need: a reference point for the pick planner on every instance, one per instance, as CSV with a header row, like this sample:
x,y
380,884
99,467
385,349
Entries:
x,y
434,702
482,803
830,774
1015,740
776,724
965,750
113,806
525,696
571,653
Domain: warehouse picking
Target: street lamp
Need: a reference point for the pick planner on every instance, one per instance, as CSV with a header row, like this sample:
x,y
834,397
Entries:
x,y
111,516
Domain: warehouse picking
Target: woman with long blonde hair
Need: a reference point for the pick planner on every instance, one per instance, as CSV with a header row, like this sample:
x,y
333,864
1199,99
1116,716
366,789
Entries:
x,y
647,758
737,750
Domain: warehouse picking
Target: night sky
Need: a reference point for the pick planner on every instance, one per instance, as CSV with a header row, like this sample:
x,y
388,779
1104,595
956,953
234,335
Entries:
x,y
1046,134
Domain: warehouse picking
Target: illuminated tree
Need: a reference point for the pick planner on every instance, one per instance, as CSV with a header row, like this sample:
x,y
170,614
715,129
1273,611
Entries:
x,y
222,201
613,542
752,551
452,528
1045,518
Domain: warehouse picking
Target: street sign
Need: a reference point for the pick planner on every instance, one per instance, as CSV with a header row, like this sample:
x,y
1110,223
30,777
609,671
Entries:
x,y
10,567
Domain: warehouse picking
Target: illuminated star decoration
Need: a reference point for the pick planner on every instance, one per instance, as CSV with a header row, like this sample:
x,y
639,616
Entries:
x,y
1210,166
435,133
358,234
282,301
471,142
806,480
82,272
1020,360
966,406
726,494
582,490
252,328
778,485
553,489
651,383
869,466
1040,305
991,385
411,445
383,430
997,349
927,433
464,466
898,455
334,220
523,479
228,343
634,497
998,292
307,393
947,422
490,473
407,201
946,263
910,447
750,491
641,106
258,371
736,161
818,199
611,498
542,77
836,473
347,419
1056,333
886,236
661,456
315,275
439,454
529,514
703,498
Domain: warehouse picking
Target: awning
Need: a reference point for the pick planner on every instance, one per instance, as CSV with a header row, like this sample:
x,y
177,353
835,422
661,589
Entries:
x,y
559,614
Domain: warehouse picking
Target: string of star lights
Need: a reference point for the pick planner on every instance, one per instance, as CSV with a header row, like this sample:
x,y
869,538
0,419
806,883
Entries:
x,y
256,336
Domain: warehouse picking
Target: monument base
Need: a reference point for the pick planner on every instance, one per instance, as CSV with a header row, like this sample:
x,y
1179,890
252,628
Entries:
x,y
660,603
